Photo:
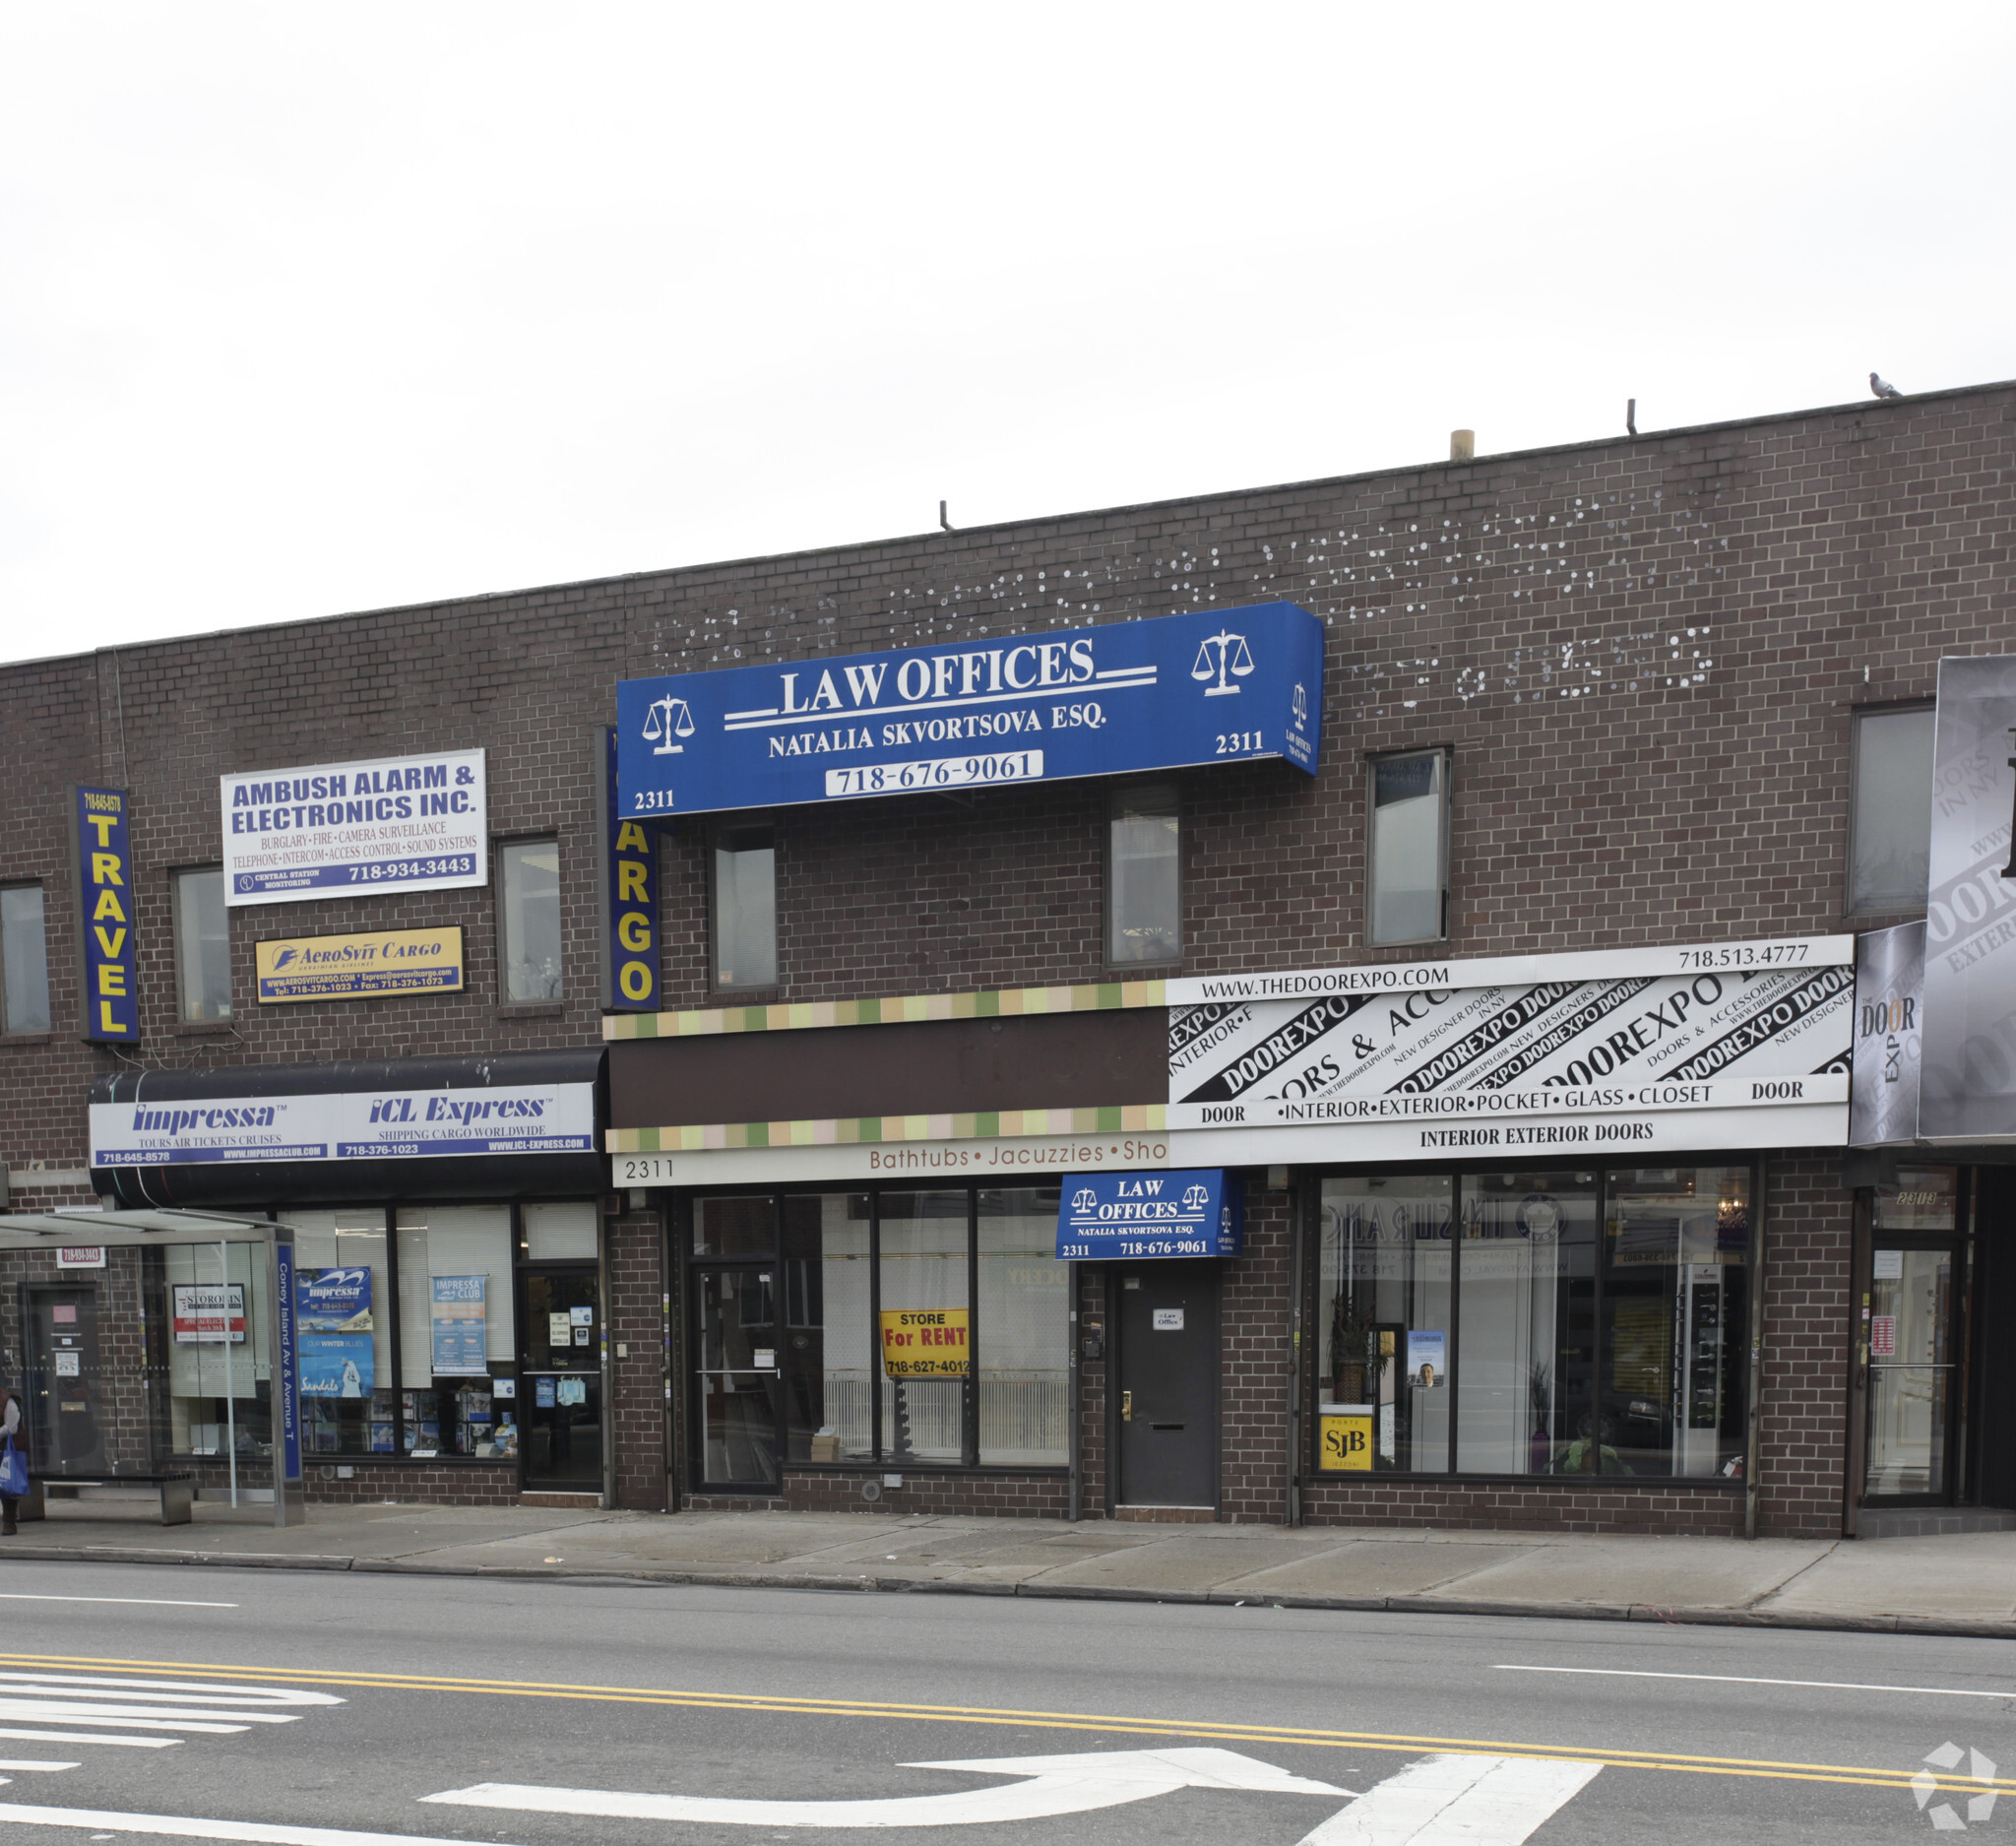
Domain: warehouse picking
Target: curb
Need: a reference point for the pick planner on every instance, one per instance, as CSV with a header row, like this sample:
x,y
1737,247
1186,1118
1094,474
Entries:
x,y
700,1577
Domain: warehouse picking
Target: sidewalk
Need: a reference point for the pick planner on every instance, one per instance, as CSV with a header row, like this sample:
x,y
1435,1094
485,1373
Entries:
x,y
1951,1585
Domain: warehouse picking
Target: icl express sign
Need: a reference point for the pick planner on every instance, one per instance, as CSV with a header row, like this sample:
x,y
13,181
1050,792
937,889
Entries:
x,y
1226,685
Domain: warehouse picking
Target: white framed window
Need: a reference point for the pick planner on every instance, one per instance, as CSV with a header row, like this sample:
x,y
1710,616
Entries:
x,y
744,950
1890,804
1144,877
528,896
1406,853
203,947
24,959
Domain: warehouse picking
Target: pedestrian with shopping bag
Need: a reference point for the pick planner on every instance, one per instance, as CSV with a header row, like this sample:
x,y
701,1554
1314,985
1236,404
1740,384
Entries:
x,y
13,1463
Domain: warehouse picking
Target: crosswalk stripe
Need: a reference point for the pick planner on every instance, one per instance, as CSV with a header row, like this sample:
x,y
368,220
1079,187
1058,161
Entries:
x,y
88,1737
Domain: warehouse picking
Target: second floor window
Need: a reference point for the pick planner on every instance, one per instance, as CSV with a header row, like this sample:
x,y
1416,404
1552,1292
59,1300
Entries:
x,y
203,947
24,959
1891,829
530,890
1144,877
745,909
1408,854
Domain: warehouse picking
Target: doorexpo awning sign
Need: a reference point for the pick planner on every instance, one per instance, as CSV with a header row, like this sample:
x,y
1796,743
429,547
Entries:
x,y
1219,687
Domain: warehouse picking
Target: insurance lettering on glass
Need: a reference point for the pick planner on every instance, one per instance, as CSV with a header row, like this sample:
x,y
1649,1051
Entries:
x,y
1217,686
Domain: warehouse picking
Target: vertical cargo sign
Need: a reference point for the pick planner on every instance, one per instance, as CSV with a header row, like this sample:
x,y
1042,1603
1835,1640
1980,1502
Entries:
x,y
629,900
104,913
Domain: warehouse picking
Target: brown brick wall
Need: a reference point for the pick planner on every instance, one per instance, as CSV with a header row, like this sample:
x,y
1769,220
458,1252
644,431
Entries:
x,y
1645,656
639,1319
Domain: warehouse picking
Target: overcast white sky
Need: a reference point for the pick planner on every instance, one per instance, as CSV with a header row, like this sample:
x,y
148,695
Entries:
x,y
309,308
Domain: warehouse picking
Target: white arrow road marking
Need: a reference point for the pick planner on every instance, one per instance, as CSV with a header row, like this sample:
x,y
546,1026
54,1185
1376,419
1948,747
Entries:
x,y
1074,1784
178,1826
1458,1801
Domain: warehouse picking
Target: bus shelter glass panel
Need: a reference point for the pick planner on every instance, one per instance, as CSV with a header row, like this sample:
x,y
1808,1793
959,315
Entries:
x,y
1383,1313
217,1308
827,1358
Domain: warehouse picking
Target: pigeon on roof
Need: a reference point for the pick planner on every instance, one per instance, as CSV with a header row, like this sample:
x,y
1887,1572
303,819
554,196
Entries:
x,y
1883,387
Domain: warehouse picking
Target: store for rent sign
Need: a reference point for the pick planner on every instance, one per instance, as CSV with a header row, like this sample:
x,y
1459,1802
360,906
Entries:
x,y
412,823
926,1343
106,910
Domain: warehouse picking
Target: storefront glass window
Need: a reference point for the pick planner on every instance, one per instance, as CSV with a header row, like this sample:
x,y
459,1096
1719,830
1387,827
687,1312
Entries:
x,y
735,1227
1918,1200
1383,1307
560,1232
1544,1347
1024,1330
1675,1309
926,1355
342,1318
219,1380
454,1319
1528,1282
827,1359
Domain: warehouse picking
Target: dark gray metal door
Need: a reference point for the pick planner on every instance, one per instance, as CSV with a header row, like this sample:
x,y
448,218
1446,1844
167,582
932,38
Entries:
x,y
1166,1318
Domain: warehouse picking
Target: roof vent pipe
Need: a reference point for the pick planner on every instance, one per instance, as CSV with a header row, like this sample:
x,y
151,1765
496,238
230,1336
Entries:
x,y
1462,444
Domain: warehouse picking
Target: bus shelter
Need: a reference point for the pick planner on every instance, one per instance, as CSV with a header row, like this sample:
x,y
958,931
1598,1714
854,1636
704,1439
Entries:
x,y
156,1347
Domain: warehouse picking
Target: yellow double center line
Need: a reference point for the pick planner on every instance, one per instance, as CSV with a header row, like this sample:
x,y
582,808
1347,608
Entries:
x,y
1109,1725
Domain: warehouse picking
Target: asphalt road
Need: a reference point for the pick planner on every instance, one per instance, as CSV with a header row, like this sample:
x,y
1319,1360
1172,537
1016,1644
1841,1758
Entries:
x,y
254,1704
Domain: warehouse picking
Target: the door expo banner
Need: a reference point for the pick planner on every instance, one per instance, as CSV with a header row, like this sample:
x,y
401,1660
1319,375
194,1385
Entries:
x,y
410,823
1216,687
1608,1051
363,1125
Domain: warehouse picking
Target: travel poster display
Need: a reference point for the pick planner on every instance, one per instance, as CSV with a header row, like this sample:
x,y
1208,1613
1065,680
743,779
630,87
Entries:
x,y
461,1326
333,1318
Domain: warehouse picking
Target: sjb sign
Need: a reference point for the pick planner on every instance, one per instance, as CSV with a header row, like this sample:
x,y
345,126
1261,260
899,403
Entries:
x,y
1226,685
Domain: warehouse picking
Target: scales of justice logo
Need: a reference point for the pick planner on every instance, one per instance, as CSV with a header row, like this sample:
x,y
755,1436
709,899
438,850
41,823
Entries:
x,y
1234,657
664,720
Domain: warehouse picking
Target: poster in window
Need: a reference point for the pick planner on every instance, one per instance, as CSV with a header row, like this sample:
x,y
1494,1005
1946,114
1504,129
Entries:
x,y
1428,1362
202,1313
336,1366
461,1327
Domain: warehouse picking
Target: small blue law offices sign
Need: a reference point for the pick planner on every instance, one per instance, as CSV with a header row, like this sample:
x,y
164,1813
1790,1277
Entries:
x,y
1196,1211
1216,687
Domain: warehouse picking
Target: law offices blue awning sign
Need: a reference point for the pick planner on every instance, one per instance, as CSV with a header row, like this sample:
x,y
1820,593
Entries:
x,y
1217,687
1198,1211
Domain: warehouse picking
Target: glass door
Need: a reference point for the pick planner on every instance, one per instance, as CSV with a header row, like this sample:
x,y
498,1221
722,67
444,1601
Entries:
x,y
737,1381
1911,1373
560,1379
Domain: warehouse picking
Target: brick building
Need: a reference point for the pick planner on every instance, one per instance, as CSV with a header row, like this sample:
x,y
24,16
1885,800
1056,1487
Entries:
x,y
1612,740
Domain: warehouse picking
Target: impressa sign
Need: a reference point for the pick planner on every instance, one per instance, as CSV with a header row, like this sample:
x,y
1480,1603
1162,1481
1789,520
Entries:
x,y
1222,686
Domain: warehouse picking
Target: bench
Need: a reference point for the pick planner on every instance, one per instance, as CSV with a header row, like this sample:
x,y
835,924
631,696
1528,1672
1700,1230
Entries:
x,y
175,1494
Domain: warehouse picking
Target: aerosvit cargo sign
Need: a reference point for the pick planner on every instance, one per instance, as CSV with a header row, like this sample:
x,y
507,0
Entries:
x,y
1222,686
363,1125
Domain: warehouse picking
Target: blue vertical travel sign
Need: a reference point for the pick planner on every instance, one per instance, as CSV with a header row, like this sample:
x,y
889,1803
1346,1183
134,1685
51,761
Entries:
x,y
106,910
1229,685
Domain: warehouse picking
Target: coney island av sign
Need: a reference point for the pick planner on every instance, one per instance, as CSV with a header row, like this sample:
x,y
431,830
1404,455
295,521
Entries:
x,y
1221,686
